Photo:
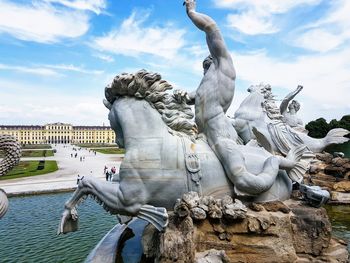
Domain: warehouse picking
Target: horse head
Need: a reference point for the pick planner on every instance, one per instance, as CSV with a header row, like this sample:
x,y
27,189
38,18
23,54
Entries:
x,y
251,107
140,102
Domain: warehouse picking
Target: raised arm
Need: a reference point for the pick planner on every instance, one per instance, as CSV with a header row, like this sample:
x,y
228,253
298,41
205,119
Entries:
x,y
215,41
288,98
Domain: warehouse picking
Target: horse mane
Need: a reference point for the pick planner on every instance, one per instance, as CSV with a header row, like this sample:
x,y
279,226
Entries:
x,y
152,88
269,105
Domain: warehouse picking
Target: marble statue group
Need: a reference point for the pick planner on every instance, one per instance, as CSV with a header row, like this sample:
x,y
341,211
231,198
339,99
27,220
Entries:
x,y
255,156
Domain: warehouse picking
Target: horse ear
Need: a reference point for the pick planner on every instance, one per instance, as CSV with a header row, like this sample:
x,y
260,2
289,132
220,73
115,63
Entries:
x,y
107,104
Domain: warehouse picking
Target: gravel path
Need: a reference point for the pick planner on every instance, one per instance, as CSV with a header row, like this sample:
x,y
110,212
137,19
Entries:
x,y
65,177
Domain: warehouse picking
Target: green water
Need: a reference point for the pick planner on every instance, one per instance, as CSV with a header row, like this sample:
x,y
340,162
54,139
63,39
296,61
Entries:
x,y
28,231
340,219
345,148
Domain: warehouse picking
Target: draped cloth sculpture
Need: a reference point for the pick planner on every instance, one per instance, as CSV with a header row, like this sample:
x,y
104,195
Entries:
x,y
167,154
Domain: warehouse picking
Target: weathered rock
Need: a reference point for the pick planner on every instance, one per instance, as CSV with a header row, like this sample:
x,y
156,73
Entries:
x,y
311,228
337,171
181,209
175,244
314,169
346,166
340,198
256,207
226,200
215,211
347,175
276,206
191,199
236,210
325,157
338,161
343,186
302,235
198,213
336,252
212,256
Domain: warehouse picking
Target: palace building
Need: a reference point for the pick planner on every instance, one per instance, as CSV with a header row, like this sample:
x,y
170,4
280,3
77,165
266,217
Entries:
x,y
59,133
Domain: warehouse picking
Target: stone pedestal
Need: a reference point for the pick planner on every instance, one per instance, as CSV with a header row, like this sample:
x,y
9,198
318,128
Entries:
x,y
273,232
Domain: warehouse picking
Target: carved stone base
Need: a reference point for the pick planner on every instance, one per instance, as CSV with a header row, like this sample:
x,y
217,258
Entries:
x,y
273,232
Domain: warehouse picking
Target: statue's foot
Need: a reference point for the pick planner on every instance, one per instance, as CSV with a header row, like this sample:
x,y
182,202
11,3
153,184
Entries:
x,y
69,221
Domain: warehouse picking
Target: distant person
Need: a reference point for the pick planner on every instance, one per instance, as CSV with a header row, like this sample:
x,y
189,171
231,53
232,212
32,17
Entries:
x,y
107,175
81,158
105,169
78,179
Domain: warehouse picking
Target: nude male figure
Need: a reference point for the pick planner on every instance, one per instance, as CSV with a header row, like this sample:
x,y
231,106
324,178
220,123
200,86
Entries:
x,y
212,99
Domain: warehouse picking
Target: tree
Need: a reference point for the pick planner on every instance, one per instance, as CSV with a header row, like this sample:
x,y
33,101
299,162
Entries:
x,y
319,128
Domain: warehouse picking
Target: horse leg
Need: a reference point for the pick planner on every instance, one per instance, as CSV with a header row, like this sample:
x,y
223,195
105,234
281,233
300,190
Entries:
x,y
113,200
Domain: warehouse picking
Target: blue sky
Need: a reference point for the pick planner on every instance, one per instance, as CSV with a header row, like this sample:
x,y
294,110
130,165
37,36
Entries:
x,y
56,56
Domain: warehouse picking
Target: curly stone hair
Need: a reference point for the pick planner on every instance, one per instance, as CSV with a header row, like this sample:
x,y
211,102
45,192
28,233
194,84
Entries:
x,y
152,88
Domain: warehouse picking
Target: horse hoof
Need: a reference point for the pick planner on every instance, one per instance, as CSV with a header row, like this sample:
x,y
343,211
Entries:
x,y
69,222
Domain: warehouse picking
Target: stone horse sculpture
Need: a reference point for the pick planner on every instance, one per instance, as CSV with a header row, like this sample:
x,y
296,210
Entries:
x,y
259,118
164,160
12,152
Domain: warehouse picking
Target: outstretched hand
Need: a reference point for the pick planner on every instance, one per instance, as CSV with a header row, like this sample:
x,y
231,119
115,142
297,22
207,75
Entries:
x,y
190,5
299,88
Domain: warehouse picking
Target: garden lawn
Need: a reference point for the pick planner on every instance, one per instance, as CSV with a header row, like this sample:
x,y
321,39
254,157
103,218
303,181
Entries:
x,y
37,153
109,150
36,146
95,145
31,168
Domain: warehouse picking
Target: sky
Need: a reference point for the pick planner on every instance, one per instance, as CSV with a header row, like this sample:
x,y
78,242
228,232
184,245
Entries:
x,y
57,56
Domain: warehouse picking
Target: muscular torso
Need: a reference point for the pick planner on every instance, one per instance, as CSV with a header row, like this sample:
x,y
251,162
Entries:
x,y
213,98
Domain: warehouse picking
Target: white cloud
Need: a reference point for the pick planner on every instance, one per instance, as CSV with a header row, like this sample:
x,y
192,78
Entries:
x,y
251,24
132,38
75,69
49,70
268,6
32,106
104,57
96,6
319,40
328,33
43,22
254,17
31,70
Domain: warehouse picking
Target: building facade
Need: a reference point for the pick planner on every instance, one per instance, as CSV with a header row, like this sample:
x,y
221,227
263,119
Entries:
x,y
59,133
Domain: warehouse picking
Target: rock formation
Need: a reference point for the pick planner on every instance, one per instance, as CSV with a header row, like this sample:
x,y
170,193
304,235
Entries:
x,y
331,173
268,232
